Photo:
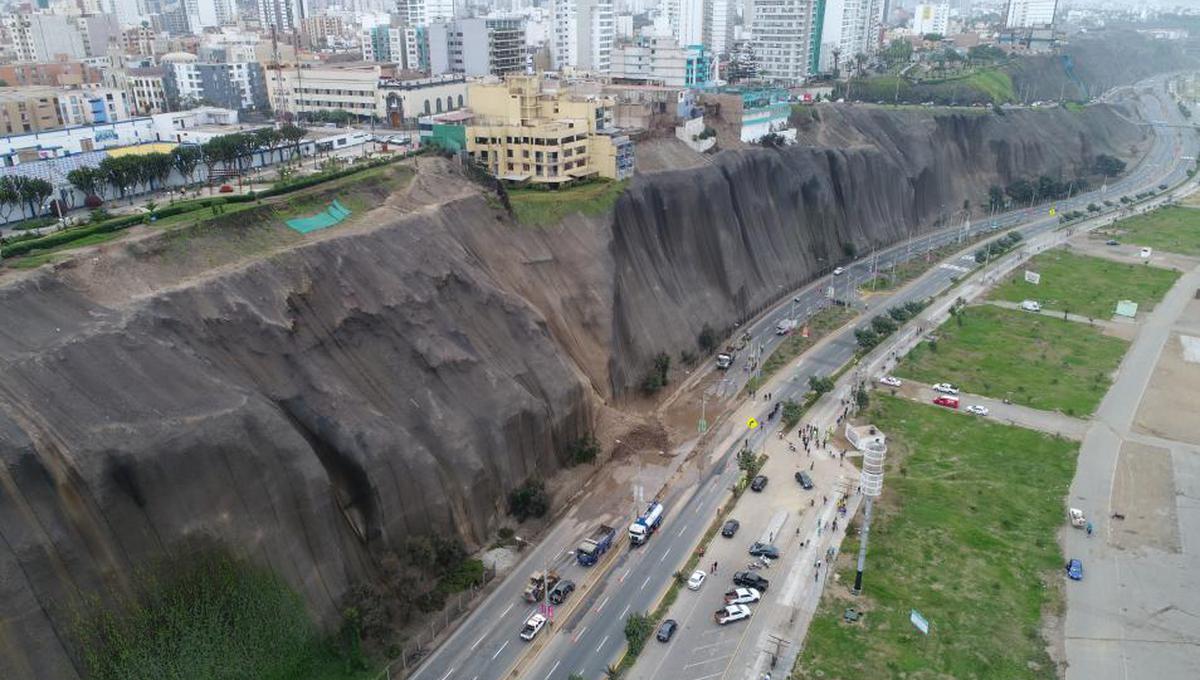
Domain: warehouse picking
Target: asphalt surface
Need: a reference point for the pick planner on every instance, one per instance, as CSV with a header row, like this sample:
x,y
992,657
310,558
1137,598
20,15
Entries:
x,y
486,646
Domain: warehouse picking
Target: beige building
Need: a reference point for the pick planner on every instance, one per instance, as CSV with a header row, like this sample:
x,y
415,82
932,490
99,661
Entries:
x,y
29,109
523,133
393,98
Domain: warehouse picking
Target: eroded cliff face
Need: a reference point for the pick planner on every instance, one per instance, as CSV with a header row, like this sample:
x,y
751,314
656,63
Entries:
x,y
715,245
316,403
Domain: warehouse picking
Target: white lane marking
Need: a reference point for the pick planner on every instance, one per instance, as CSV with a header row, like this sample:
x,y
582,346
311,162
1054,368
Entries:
x,y
554,668
601,644
682,530
625,575
625,612
710,675
447,674
580,634
696,649
506,611
497,651
701,663
556,555
668,552
644,584
481,637
602,604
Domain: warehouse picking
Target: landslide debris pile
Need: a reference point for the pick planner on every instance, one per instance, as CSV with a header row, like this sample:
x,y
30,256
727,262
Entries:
x,y
313,405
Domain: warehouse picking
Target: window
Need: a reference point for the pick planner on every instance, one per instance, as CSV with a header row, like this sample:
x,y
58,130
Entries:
x,y
449,103
460,101
427,107
439,106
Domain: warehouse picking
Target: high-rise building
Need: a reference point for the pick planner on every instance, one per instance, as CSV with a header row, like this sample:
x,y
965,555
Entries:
x,y
283,15
849,28
477,47
687,19
661,61
98,31
203,14
44,37
719,25
787,38
1030,13
384,44
929,18
424,12
581,34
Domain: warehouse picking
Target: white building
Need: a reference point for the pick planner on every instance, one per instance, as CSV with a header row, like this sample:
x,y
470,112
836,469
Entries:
x,y
785,35
849,28
284,15
90,104
384,44
661,61
1030,13
582,34
44,37
424,12
207,13
686,19
624,26
128,12
928,18
477,47
719,26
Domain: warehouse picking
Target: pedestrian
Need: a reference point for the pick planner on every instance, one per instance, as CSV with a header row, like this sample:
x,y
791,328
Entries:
x,y
824,500
810,465
1089,529
835,525
811,502
714,569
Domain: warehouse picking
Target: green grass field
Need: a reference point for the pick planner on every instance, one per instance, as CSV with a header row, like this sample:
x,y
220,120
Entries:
x,y
1035,360
1089,286
1175,230
964,533
535,207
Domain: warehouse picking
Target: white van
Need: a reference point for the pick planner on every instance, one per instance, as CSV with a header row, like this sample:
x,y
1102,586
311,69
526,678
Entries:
x,y
1031,306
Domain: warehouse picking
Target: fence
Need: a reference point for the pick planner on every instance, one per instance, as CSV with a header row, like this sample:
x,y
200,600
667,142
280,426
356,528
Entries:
x,y
414,649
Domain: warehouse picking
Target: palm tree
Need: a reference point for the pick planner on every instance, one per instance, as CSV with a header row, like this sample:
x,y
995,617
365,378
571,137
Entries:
x,y
860,60
837,54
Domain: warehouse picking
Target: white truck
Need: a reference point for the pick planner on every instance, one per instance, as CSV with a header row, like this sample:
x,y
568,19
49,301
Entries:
x,y
785,326
646,524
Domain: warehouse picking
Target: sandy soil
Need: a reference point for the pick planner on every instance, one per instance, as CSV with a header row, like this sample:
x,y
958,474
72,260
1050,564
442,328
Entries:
x,y
1174,382
1144,491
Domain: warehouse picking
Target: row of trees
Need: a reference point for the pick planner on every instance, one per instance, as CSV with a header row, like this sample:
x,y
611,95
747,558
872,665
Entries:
x,y
123,175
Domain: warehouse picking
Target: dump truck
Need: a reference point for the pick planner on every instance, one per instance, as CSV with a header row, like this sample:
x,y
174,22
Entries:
x,y
538,583
594,546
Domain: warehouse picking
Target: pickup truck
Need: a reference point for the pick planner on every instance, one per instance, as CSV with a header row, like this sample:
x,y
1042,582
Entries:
x,y
785,326
731,613
538,583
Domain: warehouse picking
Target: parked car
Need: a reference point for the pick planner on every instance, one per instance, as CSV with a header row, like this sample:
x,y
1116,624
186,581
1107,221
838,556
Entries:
x,y
759,483
838,271
533,626
561,591
1146,252
742,596
730,528
945,388
805,480
731,613
948,402
890,381
1112,242
667,630
1031,305
978,410
749,579
1075,570
696,580
764,550
1078,519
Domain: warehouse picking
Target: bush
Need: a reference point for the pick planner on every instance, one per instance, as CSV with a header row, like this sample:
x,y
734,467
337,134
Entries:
x,y
707,339
529,500
583,450
883,325
93,201
34,223
820,385
656,378
792,411
637,630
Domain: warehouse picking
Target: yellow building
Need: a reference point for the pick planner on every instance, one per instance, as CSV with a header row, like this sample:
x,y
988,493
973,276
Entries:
x,y
523,133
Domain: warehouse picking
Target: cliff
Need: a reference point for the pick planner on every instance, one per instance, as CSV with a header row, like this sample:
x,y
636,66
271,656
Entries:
x,y
315,400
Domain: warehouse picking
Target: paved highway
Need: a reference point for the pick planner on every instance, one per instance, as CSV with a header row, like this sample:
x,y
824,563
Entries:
x,y
486,646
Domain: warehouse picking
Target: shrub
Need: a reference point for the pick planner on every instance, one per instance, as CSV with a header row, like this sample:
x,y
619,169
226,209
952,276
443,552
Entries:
x,y
583,450
637,630
529,500
792,411
656,378
93,201
820,385
707,339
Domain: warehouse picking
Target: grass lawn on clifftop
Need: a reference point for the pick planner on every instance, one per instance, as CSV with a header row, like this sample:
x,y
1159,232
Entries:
x,y
964,533
1089,286
537,207
1035,360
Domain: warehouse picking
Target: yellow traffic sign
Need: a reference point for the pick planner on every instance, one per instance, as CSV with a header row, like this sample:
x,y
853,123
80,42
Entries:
x,y
752,423
1052,212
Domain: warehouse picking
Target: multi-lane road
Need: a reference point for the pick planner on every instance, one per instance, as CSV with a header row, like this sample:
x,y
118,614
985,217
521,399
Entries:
x,y
486,646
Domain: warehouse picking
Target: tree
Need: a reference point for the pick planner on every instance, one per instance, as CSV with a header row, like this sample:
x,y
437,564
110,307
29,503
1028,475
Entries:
x,y
707,340
860,62
9,196
656,378
1020,191
185,158
995,198
84,179
899,51
1108,165
158,168
529,500
293,134
638,628
820,385
34,191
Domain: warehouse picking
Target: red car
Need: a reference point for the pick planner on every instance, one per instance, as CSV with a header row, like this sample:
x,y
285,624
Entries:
x,y
947,401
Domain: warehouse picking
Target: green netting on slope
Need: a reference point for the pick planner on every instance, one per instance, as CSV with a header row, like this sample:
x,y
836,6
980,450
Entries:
x,y
336,212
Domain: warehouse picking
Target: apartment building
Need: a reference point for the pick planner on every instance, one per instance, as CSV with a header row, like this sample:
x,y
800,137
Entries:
x,y
1030,13
313,88
661,61
521,133
188,82
147,90
477,47
52,74
384,44
44,37
581,35
787,38
424,12
323,28
29,109
92,105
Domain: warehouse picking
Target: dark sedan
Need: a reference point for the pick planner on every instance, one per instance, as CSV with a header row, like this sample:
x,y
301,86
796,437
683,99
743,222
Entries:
x,y
759,483
730,528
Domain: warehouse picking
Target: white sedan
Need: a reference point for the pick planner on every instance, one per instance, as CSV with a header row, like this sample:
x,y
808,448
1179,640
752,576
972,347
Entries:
x,y
742,596
977,410
838,271
731,613
890,381
533,626
945,388
696,580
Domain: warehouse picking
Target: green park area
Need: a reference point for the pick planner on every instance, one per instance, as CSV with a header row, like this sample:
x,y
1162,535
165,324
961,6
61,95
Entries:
x,y
545,206
1174,230
1088,286
1034,360
964,534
